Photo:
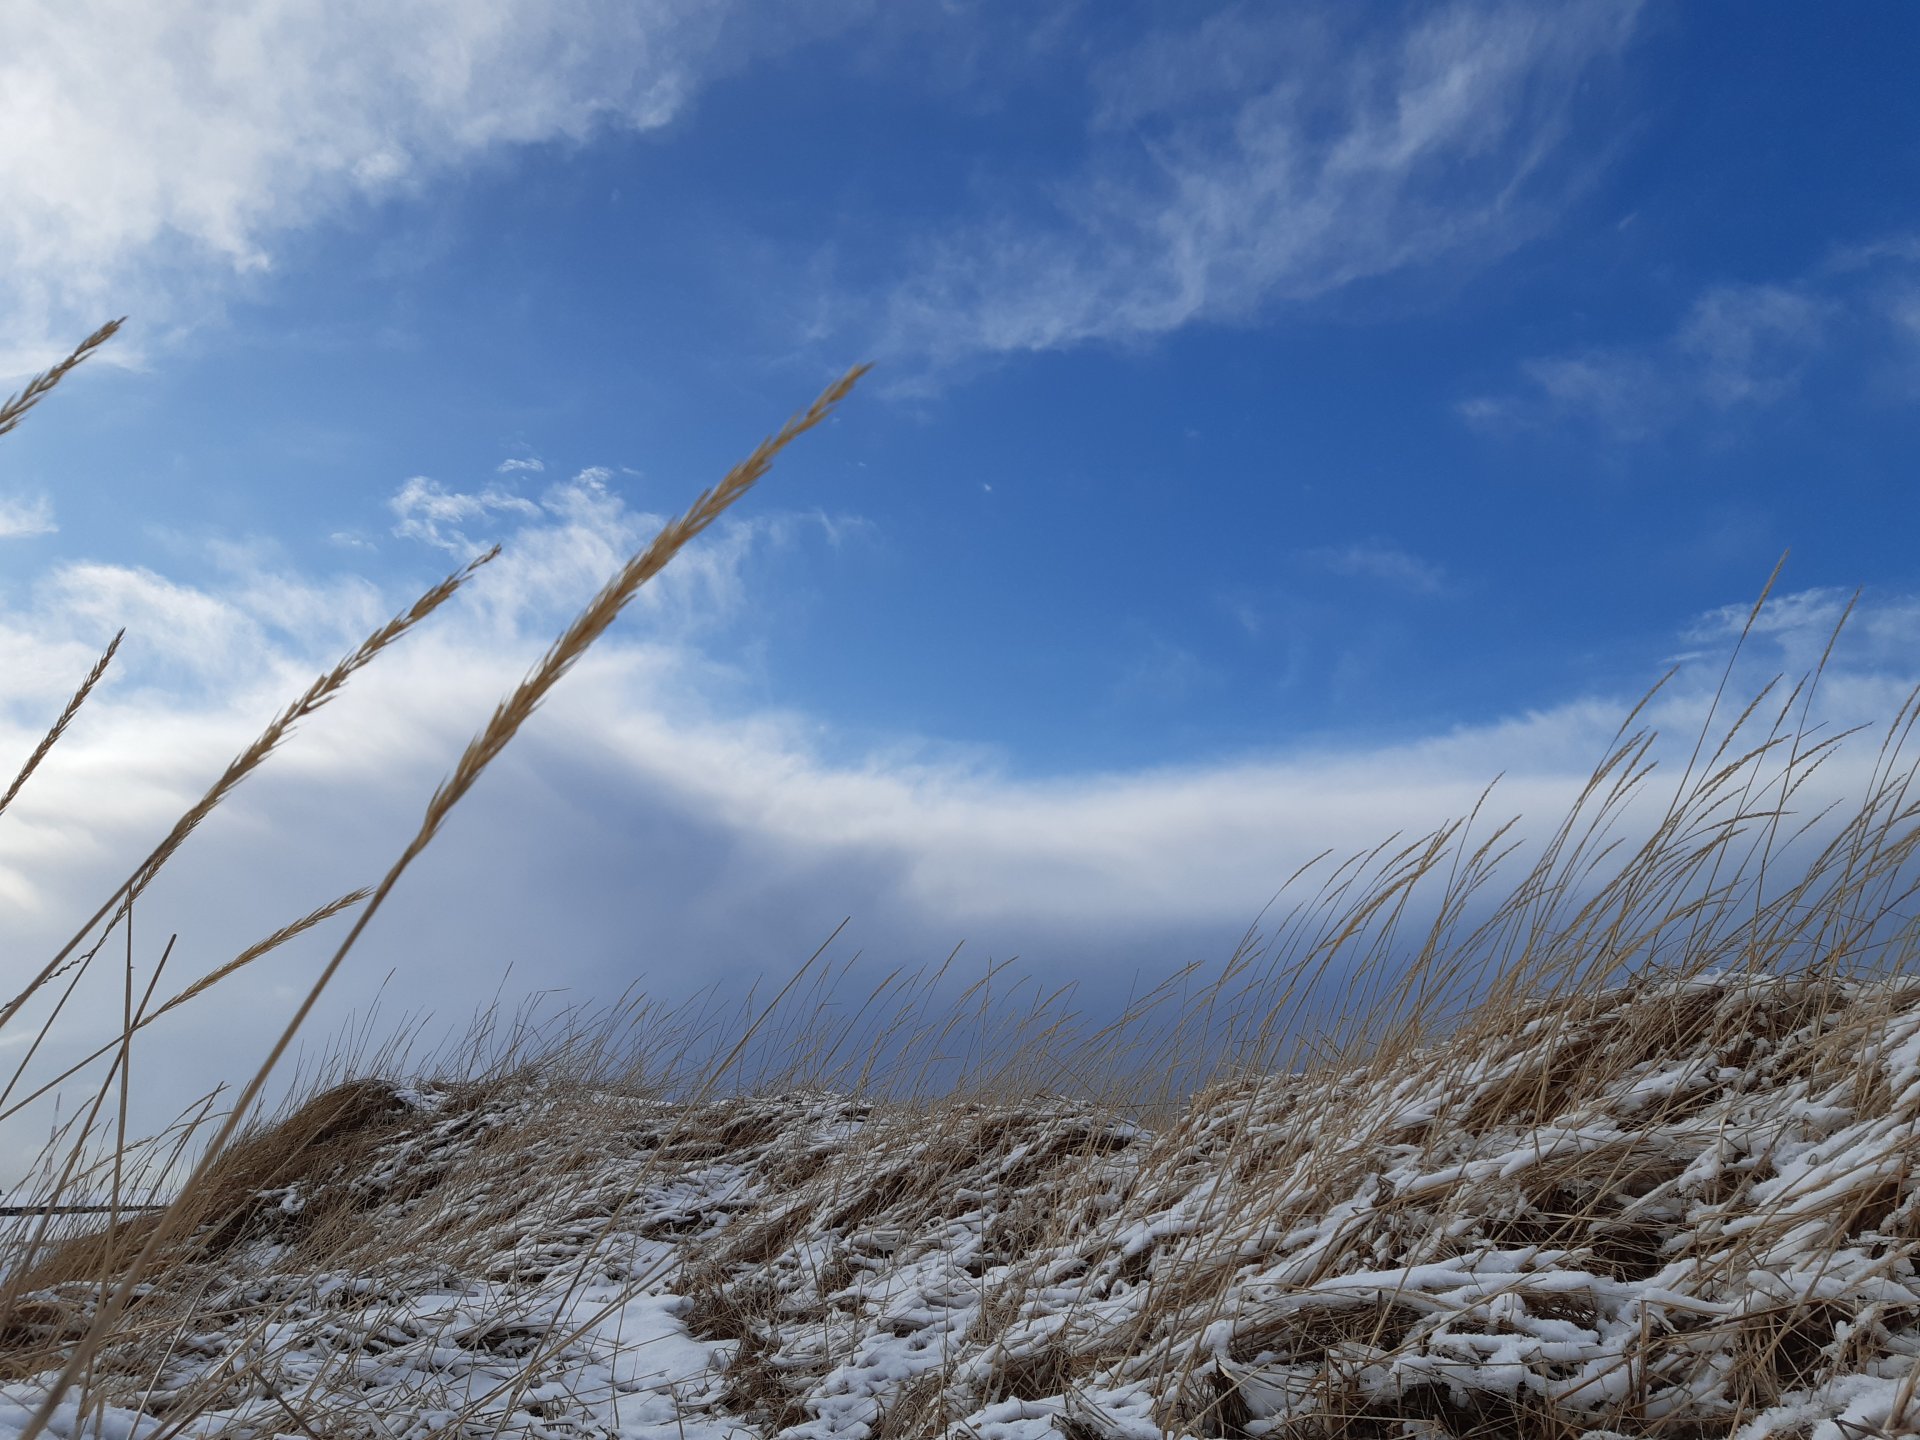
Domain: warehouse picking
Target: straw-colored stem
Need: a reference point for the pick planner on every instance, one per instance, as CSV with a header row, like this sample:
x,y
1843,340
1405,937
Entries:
x,y
41,385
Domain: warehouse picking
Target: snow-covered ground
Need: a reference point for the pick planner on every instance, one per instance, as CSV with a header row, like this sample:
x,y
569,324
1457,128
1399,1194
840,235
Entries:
x,y
1683,1209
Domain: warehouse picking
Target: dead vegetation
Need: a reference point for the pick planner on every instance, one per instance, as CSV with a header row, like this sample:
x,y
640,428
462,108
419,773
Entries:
x,y
1595,1262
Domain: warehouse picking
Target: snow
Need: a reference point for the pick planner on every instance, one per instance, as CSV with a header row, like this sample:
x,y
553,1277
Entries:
x,y
1686,1237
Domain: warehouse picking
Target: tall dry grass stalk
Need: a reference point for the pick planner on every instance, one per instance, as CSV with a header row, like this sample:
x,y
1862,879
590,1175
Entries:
x,y
41,385
59,727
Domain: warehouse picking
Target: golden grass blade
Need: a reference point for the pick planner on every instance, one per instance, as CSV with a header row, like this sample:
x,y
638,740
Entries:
x,y
322,691
206,982
260,947
52,736
605,608
38,388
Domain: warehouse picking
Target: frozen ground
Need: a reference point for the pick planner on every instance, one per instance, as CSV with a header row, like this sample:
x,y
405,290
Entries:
x,y
1687,1209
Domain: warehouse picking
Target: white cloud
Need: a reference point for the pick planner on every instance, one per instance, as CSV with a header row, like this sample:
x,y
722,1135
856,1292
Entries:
x,y
1737,350
581,529
1901,249
20,518
1746,343
509,467
156,148
1738,346
184,625
1258,158
1796,627
426,510
1384,562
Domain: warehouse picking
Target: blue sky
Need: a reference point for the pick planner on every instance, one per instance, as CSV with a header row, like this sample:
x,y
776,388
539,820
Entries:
x,y
1284,418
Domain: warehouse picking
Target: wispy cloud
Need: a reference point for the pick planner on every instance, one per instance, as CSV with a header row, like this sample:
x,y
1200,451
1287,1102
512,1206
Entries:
x,y
1383,562
1737,350
1797,627
426,510
1739,346
511,467
155,149
1164,673
20,517
1260,158
580,529
1244,609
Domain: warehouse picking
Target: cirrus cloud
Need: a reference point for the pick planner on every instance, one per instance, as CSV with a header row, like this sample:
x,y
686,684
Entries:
x,y
1257,159
1737,350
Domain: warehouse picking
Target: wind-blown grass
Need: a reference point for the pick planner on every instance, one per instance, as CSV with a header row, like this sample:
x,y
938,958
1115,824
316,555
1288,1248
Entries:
x,y
1622,1144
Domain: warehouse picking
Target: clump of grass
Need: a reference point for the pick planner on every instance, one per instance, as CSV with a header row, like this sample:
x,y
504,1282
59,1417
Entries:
x,y
1624,1145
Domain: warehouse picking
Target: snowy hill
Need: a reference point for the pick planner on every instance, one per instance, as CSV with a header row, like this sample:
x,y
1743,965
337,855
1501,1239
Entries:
x,y
1682,1208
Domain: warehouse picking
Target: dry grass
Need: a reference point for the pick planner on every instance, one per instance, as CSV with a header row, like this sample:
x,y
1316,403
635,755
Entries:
x,y
1622,1145
41,385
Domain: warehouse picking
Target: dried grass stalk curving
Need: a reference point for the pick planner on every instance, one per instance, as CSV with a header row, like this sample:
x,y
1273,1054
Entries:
x,y
52,737
41,385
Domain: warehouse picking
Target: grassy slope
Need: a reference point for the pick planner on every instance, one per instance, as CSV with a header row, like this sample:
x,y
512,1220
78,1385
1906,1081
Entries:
x,y
1684,1208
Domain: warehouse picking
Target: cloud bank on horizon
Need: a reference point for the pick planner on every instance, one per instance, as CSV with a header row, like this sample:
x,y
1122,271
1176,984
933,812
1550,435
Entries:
x,y
1288,420
650,831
